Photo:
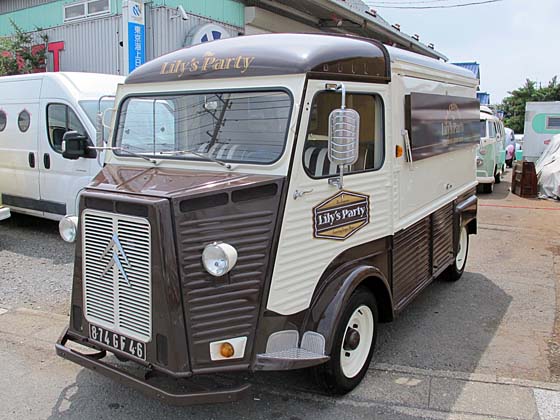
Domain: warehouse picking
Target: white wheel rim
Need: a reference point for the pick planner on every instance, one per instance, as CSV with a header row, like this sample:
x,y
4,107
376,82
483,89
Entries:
x,y
352,361
461,258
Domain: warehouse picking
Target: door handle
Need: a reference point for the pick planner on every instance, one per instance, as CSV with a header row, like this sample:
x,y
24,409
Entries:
x,y
47,161
298,193
31,159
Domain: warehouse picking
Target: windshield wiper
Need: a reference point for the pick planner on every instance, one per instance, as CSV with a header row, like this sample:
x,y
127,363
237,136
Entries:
x,y
200,155
140,155
122,149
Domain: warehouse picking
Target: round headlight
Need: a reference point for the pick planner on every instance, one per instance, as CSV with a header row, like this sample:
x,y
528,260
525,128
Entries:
x,y
68,227
218,258
479,161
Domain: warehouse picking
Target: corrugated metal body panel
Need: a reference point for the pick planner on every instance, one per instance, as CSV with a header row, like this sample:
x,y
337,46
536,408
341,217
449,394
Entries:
x,y
90,45
442,234
411,261
166,32
7,6
227,306
301,259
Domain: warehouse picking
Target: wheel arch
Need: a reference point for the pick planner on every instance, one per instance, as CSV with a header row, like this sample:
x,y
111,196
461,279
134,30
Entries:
x,y
330,302
466,215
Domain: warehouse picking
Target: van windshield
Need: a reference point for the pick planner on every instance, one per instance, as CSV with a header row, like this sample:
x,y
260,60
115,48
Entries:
x,y
248,127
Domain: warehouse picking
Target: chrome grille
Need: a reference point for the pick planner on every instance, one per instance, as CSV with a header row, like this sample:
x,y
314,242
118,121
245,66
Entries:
x,y
117,273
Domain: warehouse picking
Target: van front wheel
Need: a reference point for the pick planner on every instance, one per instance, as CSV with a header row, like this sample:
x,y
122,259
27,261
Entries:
x,y
353,345
488,188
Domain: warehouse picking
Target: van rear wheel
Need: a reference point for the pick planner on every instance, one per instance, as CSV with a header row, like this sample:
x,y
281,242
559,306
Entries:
x,y
353,345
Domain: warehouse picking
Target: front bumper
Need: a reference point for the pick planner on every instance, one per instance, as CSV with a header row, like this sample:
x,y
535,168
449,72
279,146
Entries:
x,y
485,179
4,213
93,362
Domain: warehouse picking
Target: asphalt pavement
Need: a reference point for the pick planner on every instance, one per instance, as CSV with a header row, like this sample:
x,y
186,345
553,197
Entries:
x,y
486,347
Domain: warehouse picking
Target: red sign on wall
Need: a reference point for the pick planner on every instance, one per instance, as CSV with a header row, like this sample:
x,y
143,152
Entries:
x,y
52,47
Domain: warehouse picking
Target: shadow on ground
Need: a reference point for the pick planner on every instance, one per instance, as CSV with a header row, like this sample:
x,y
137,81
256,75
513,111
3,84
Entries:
x,y
448,327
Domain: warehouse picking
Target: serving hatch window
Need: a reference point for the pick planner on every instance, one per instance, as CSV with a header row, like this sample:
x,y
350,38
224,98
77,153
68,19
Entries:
x,y
248,127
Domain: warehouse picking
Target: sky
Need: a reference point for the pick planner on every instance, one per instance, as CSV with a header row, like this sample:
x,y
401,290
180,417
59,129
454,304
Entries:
x,y
512,40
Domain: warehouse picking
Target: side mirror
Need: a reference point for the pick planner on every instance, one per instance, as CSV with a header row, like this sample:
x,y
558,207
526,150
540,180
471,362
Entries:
x,y
344,137
75,146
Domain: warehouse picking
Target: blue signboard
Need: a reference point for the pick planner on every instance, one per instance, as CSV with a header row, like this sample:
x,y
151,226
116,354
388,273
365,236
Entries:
x,y
136,35
136,46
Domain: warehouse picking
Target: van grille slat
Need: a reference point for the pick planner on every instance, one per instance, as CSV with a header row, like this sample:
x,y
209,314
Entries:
x,y
110,301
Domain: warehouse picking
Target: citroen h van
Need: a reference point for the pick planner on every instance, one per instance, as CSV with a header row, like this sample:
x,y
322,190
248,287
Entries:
x,y
491,153
266,209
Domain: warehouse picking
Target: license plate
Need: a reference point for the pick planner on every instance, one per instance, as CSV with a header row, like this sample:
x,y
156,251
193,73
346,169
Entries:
x,y
117,341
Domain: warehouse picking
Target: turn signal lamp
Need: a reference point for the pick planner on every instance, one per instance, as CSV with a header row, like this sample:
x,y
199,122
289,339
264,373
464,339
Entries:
x,y
227,350
399,151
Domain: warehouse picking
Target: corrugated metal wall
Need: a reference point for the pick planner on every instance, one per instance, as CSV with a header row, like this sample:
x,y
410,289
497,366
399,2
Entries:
x,y
11,5
166,33
94,45
91,45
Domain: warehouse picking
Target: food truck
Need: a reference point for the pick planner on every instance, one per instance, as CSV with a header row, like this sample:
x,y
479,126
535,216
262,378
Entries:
x,y
265,209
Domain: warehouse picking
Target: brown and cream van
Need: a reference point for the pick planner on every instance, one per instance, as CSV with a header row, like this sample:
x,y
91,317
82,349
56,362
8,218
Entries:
x,y
266,202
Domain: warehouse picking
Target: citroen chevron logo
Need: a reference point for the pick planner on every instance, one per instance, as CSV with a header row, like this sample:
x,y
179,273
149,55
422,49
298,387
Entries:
x,y
117,250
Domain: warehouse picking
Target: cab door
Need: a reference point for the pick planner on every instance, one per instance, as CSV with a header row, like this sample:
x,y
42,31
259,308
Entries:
x,y
321,220
60,179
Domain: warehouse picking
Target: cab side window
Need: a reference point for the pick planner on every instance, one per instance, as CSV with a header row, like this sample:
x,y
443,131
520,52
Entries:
x,y
372,144
491,129
60,119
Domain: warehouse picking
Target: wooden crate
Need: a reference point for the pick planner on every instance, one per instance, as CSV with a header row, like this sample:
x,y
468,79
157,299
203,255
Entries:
x,y
524,179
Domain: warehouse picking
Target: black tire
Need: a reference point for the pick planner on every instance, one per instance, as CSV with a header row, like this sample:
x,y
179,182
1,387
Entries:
x,y
488,188
455,271
330,376
498,176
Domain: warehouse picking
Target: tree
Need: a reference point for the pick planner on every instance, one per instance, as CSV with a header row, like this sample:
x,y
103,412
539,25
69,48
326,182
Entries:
x,y
18,55
514,105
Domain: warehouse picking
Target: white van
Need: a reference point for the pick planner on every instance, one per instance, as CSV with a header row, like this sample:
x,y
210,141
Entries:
x,y
4,212
35,112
